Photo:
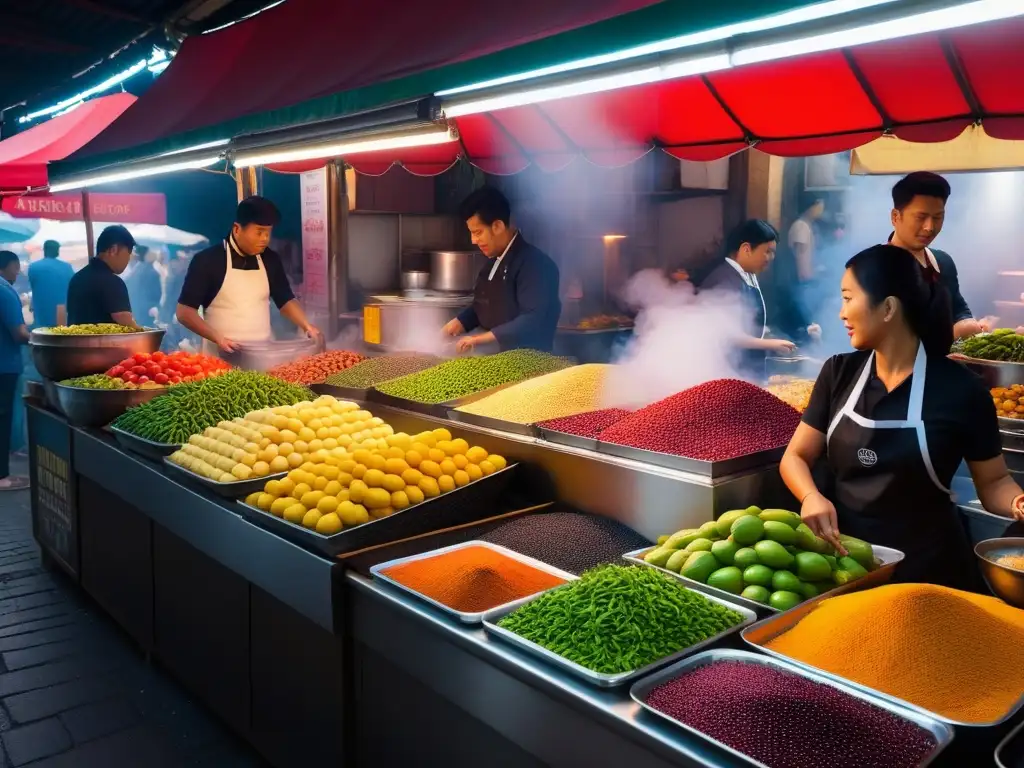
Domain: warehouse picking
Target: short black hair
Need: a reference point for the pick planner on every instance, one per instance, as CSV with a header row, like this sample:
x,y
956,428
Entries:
x,y
114,236
809,199
257,210
6,257
489,204
924,183
51,247
753,231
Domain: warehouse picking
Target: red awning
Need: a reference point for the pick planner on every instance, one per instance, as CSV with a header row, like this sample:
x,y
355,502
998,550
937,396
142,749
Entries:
x,y
925,88
306,49
24,156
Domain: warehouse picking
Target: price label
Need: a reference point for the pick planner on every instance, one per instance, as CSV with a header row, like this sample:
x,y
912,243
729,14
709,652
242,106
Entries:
x,y
371,325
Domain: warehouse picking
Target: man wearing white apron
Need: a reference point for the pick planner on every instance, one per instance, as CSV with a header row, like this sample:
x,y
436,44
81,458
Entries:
x,y
234,281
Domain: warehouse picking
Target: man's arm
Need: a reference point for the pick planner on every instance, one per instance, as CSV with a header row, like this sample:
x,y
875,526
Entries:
x,y
191,319
118,305
293,311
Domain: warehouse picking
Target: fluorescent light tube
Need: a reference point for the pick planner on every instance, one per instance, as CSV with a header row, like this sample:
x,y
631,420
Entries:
x,y
340,148
584,86
136,173
916,24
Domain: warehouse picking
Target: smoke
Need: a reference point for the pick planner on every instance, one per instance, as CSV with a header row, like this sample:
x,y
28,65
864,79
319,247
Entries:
x,y
681,339
414,327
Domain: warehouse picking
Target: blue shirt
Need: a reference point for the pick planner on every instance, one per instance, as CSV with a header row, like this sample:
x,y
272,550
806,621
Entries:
x,y
11,317
49,279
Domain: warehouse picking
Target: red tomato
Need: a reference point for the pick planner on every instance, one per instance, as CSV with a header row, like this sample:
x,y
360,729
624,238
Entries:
x,y
158,355
161,378
133,379
142,379
138,370
175,380
140,357
126,376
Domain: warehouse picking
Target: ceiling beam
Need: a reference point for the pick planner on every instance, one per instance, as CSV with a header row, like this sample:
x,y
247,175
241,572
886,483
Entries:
x,y
27,41
102,9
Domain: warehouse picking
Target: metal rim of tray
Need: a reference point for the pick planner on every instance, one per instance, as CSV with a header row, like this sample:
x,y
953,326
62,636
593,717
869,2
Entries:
x,y
341,393
235,490
792,617
892,558
1005,743
565,438
709,469
1011,425
614,680
39,339
496,425
378,572
940,731
142,446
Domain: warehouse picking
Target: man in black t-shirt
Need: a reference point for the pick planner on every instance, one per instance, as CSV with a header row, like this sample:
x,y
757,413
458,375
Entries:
x,y
918,211
97,294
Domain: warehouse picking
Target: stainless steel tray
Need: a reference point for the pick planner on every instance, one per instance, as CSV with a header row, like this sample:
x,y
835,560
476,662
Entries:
x,y
142,446
619,678
768,629
712,469
564,438
486,422
342,393
438,410
236,490
995,373
1001,758
942,733
889,558
378,573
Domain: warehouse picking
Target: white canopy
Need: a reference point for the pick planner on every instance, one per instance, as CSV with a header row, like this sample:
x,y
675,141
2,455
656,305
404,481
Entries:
x,y
71,233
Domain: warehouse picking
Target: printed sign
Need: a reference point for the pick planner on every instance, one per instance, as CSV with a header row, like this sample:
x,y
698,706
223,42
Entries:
x,y
54,508
315,256
110,208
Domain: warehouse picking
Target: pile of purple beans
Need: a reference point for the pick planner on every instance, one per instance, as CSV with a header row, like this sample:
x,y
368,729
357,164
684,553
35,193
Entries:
x,y
786,721
587,424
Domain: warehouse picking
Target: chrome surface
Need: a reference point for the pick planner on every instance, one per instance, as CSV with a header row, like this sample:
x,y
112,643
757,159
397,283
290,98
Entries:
x,y
379,572
1001,758
234,490
486,422
889,558
1005,582
604,680
770,458
65,357
564,438
455,271
415,281
414,325
261,356
941,732
994,373
99,407
142,446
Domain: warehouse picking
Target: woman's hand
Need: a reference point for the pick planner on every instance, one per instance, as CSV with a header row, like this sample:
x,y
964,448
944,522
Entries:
x,y
820,515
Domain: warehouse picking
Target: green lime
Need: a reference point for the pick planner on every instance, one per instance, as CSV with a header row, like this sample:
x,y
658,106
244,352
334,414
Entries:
x,y
756,593
745,557
773,554
699,566
785,581
729,579
783,601
747,530
725,550
758,575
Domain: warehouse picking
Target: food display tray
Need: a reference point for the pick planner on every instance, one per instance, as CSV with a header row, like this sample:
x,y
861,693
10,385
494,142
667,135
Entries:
x,y
996,373
711,469
235,490
486,422
763,632
1011,747
463,505
564,438
342,393
142,446
378,573
437,410
603,680
889,558
640,691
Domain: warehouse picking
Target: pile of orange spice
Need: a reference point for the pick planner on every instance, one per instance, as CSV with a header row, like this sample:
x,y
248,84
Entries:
x,y
958,654
1012,561
472,579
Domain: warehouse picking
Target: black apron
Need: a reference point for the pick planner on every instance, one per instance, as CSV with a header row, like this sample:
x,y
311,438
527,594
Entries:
x,y
887,492
494,300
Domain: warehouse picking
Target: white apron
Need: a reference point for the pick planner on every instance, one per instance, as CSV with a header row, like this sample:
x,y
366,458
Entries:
x,y
241,309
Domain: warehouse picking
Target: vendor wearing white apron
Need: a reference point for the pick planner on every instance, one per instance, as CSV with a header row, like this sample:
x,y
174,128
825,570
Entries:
x,y
749,249
893,421
234,281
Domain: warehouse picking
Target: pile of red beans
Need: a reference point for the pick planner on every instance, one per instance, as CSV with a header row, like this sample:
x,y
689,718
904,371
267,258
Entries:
x,y
786,721
588,424
316,368
714,421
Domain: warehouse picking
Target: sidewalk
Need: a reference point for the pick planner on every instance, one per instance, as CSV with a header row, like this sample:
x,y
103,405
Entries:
x,y
74,691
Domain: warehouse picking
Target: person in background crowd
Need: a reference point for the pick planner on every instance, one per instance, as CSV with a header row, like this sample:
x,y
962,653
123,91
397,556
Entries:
x,y
801,237
515,300
49,278
13,335
918,212
97,294
144,290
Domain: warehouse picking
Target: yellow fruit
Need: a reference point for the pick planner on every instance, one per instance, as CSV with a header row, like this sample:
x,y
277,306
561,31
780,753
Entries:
x,y
361,456
461,478
285,449
395,466
273,487
311,518
306,434
253,498
399,500
280,505
448,467
486,467
378,514
311,499
251,448
333,488
327,505
421,448
427,438
442,434
474,472
430,468
260,469
460,461
352,514
318,457
315,424
264,501
429,487
413,458
294,460
342,495
498,462
345,479
328,525
374,478
316,445
446,483
248,459
476,454
399,440
392,483
347,465
307,414
285,485
447,446
300,490
460,445
415,494
295,513
393,452
377,462
356,491
294,425
330,444
240,472
376,498
279,464
319,483
436,455
412,476
301,446
323,433
359,471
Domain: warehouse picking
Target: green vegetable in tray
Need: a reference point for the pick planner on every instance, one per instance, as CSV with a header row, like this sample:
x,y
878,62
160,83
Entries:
x,y
188,409
377,370
89,329
1003,345
464,376
96,381
620,618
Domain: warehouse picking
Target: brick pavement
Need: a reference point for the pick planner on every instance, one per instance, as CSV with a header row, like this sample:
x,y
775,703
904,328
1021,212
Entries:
x,y
74,691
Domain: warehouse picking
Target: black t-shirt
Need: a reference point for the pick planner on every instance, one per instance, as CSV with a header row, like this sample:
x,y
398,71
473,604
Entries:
x,y
958,411
208,268
95,294
949,278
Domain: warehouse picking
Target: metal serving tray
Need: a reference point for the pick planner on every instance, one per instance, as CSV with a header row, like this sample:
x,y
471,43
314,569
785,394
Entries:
x,y
236,490
342,393
619,678
889,558
1003,757
142,446
438,410
463,505
498,425
762,633
378,573
942,733
564,438
712,469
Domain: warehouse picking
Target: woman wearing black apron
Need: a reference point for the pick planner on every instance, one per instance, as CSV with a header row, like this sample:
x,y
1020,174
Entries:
x,y
749,250
894,420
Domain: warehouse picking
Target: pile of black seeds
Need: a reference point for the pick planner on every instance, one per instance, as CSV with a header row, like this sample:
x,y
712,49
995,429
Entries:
x,y
572,541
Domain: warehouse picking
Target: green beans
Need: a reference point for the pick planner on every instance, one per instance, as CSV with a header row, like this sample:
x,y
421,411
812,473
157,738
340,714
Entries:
x,y
188,409
96,381
88,329
465,375
620,618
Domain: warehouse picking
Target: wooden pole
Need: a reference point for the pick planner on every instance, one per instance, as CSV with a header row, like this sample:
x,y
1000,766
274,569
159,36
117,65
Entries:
x,y
90,242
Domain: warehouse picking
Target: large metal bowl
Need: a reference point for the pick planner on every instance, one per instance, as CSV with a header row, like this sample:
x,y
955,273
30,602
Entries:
x,y
995,374
264,355
1007,583
65,357
98,407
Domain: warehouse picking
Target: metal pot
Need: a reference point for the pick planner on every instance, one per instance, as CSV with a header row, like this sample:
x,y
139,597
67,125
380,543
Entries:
x,y
264,355
59,357
415,281
455,271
